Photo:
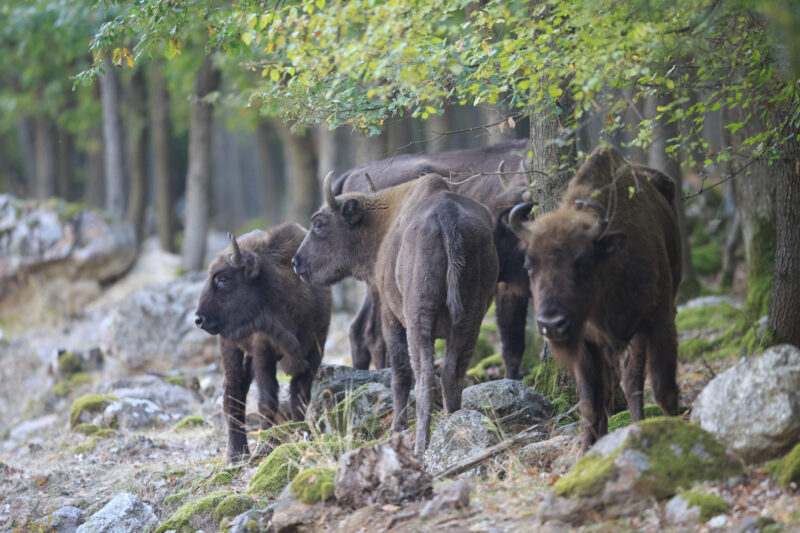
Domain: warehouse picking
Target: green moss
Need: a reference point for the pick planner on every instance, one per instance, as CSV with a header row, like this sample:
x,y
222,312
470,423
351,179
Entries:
x,y
76,380
549,380
69,364
707,258
173,501
708,316
277,435
479,372
86,428
191,421
622,419
786,470
85,447
710,505
180,381
192,516
232,506
760,267
679,454
283,464
61,389
92,403
314,484
219,479
106,432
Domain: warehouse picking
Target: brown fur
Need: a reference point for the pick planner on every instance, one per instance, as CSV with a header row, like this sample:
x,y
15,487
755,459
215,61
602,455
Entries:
x,y
511,292
601,289
429,254
265,316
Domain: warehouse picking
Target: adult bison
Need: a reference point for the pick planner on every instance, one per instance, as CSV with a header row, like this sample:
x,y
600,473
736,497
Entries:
x,y
498,193
604,269
265,316
429,254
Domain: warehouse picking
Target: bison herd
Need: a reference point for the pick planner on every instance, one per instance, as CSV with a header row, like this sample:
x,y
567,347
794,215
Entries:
x,y
434,251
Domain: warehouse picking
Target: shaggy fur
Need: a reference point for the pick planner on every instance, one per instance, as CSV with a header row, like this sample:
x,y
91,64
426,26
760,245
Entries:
x,y
265,316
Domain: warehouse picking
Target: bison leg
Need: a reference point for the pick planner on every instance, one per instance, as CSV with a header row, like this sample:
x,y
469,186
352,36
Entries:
x,y
395,335
264,366
420,348
595,383
236,382
511,310
458,353
359,347
662,359
633,372
300,392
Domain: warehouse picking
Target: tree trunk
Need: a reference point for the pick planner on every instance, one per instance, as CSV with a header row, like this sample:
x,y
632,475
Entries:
x,y
94,189
112,138
301,177
268,170
161,140
137,198
784,304
64,166
46,156
27,147
553,159
198,177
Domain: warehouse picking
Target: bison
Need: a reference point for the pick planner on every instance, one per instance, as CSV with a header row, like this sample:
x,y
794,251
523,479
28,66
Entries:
x,y
604,269
499,194
429,254
264,316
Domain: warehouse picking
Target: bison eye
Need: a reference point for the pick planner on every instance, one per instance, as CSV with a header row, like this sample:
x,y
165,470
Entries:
x,y
318,227
529,265
222,282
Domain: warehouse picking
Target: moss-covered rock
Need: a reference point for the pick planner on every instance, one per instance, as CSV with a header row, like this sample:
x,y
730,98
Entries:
x,y
709,505
314,484
786,470
488,368
219,479
284,463
281,434
194,515
69,364
180,381
173,501
91,403
707,317
623,419
549,380
86,428
231,507
191,421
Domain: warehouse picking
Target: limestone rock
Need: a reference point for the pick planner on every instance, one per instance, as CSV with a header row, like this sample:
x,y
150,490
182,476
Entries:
x,y
32,430
134,413
545,453
176,400
754,407
125,513
334,382
508,402
456,438
454,496
64,520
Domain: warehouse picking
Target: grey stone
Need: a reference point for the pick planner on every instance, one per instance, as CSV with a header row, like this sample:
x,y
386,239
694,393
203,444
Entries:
x,y
334,382
545,453
33,429
754,407
453,496
461,435
64,520
262,517
174,399
126,513
134,413
709,301
513,405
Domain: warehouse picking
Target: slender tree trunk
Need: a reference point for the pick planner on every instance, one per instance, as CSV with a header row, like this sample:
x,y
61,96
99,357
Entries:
x,y
268,172
302,186
64,166
46,156
161,141
632,117
94,189
27,147
198,177
112,137
784,304
137,198
553,158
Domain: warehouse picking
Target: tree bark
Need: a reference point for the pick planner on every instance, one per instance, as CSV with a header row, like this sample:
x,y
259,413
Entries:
x,y
46,166
553,158
301,177
64,166
784,304
269,174
137,198
161,140
27,147
94,189
112,138
198,177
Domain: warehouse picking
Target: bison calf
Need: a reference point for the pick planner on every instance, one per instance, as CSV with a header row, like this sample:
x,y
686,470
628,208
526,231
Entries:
x,y
264,316
604,269
429,254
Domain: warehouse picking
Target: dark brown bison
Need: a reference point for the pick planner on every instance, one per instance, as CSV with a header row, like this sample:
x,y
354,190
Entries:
x,y
498,193
429,254
604,269
264,316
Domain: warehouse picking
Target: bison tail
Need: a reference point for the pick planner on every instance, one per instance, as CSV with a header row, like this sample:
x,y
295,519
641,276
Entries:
x,y
456,260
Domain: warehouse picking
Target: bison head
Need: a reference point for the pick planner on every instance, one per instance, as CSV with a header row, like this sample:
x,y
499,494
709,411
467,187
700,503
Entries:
x,y
230,298
329,251
568,254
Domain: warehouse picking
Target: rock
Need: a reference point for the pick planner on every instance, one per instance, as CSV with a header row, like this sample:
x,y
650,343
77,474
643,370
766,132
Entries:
x,y
335,381
545,453
388,473
176,400
292,515
363,407
627,469
454,496
154,328
31,430
64,520
754,407
507,402
693,507
282,465
195,515
125,513
709,301
52,239
463,434
134,413
253,520
86,408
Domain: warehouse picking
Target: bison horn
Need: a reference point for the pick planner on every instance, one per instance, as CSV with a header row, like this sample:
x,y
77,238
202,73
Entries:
x,y
236,256
330,199
500,168
370,183
515,219
601,212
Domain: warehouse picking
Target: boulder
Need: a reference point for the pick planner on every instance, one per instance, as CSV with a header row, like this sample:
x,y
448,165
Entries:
x,y
456,438
754,407
32,430
544,453
385,474
334,382
154,328
125,513
174,399
627,469
64,520
693,507
507,402
453,496
134,413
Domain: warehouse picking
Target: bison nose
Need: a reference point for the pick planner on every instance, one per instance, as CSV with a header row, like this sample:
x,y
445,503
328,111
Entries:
x,y
199,320
553,324
298,265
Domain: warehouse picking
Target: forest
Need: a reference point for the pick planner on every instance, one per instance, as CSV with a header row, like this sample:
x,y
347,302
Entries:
x,y
139,138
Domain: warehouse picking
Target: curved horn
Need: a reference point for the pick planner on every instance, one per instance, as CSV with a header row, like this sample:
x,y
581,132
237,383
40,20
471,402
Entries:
x,y
500,169
236,256
601,211
515,219
330,199
370,183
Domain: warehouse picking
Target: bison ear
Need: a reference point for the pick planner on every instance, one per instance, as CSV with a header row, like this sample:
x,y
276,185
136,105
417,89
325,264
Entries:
x,y
609,243
352,211
250,265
